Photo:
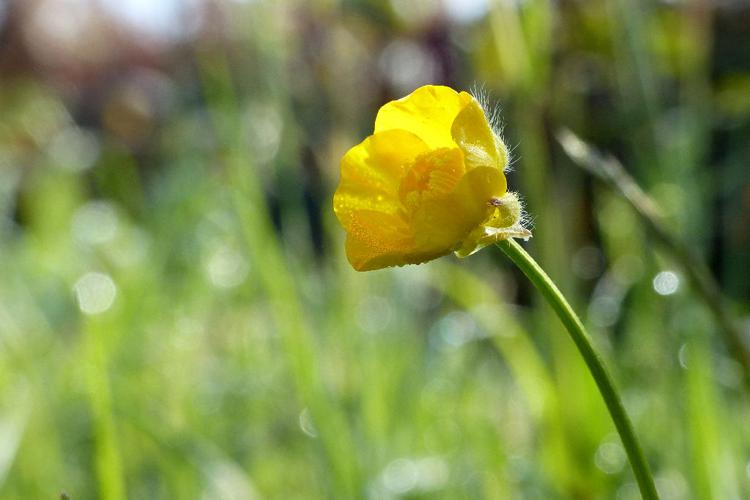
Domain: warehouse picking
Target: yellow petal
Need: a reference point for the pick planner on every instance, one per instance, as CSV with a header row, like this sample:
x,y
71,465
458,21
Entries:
x,y
428,181
441,223
436,227
371,173
363,257
427,112
472,132
376,239
431,174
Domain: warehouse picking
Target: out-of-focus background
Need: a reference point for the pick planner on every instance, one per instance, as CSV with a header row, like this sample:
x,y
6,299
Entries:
x,y
177,317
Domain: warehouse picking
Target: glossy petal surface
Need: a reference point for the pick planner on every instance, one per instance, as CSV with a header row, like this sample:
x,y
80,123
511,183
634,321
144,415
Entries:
x,y
471,132
371,174
428,112
428,182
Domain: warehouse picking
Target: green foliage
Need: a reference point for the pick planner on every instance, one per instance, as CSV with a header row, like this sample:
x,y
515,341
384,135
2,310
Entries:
x,y
178,320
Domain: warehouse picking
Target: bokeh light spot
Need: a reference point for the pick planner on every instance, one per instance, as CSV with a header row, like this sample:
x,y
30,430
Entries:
x,y
165,20
74,149
264,129
406,66
95,222
226,268
682,356
666,283
374,314
466,11
456,328
610,457
604,310
306,423
95,292
400,476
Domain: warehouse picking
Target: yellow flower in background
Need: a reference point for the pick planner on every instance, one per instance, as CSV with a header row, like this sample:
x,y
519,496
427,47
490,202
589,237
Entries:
x,y
429,181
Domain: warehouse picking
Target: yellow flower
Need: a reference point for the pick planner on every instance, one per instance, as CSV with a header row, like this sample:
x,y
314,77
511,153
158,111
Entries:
x,y
428,182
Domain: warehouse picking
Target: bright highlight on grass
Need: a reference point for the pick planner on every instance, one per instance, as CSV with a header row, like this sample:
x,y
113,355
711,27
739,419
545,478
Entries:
x,y
430,181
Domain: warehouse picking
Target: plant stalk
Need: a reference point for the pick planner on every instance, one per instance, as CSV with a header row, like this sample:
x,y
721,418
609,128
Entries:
x,y
595,363
611,172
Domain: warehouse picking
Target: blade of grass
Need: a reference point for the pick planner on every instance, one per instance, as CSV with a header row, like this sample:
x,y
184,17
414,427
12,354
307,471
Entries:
x,y
704,434
608,170
107,454
508,337
516,348
264,248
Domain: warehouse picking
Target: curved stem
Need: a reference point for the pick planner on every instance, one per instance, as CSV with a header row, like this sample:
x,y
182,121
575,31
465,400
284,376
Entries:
x,y
595,364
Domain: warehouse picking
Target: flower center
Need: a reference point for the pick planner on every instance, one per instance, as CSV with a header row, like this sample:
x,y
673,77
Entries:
x,y
432,174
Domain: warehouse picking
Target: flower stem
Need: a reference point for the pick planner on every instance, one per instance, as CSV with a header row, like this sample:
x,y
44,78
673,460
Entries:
x,y
595,364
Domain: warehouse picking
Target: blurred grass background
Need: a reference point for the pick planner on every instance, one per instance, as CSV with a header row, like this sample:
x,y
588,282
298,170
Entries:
x,y
177,317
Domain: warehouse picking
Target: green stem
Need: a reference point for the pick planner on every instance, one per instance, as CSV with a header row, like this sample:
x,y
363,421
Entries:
x,y
603,380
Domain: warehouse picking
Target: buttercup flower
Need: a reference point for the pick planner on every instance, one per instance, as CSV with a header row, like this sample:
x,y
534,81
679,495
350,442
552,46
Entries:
x,y
429,181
